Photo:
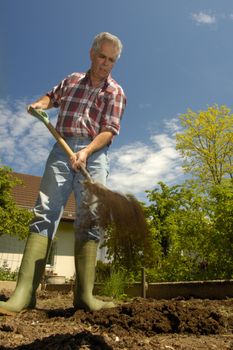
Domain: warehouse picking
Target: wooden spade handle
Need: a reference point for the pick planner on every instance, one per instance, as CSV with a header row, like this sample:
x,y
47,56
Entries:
x,y
60,140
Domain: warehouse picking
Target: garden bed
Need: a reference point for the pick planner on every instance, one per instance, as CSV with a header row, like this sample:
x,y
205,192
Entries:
x,y
137,323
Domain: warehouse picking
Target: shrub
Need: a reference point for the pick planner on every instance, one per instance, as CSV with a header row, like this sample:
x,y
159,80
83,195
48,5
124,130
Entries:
x,y
114,286
6,274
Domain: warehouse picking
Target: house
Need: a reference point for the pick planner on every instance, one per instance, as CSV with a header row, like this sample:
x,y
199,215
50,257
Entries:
x,y
61,258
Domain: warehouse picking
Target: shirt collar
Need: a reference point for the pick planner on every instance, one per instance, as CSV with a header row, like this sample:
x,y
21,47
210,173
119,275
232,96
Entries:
x,y
105,83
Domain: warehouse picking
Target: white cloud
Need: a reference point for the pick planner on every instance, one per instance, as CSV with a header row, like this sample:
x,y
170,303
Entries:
x,y
172,126
25,143
204,18
138,167
145,105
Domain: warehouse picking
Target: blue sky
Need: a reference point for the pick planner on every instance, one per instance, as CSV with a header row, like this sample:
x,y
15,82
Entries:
x,y
177,54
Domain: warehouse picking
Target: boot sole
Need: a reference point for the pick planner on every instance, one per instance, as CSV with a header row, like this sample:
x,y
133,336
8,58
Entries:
x,y
7,312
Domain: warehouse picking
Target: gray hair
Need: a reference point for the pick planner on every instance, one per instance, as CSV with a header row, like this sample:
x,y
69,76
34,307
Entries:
x,y
105,36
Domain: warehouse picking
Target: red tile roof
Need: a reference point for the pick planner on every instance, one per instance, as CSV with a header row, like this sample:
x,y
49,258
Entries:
x,y
25,195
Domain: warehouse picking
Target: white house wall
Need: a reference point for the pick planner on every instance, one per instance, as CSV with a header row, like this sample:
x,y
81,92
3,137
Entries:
x,y
11,251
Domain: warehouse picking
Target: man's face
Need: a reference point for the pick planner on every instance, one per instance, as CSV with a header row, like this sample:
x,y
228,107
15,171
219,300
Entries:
x,y
103,60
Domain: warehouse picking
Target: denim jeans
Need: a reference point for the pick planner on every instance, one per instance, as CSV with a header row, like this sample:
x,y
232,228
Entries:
x,y
57,183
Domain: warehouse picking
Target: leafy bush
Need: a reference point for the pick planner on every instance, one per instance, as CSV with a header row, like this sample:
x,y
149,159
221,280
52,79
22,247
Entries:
x,y
102,271
6,274
114,286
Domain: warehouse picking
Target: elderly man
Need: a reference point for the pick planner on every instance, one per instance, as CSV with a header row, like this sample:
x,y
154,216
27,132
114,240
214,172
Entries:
x,y
91,106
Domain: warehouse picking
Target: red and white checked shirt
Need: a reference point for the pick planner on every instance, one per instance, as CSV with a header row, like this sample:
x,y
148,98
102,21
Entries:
x,y
86,110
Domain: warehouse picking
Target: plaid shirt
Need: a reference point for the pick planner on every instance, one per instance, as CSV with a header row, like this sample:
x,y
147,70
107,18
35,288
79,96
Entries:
x,y
86,110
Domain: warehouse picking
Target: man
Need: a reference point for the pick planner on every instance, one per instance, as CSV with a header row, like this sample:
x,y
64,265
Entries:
x,y
91,106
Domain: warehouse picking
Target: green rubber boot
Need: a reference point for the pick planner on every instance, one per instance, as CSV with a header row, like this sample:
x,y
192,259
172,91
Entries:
x,y
30,274
85,261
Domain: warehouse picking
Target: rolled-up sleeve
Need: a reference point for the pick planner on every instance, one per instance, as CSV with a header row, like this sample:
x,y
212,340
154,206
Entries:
x,y
113,112
56,93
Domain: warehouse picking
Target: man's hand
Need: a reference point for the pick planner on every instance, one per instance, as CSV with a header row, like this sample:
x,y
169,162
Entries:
x,y
100,141
44,102
79,159
35,105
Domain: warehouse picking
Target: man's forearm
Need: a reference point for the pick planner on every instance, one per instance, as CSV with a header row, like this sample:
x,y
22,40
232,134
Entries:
x,y
43,102
100,141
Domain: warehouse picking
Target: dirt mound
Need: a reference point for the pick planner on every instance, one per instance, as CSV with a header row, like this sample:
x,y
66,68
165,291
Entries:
x,y
137,324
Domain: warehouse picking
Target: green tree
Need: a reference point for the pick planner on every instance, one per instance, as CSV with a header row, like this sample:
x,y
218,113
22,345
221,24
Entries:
x,y
191,224
196,224
220,241
14,221
180,225
206,143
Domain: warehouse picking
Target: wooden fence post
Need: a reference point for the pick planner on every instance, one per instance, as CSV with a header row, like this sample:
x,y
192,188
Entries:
x,y
143,283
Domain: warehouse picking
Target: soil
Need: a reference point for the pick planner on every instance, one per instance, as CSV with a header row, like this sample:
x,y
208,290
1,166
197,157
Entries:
x,y
138,323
